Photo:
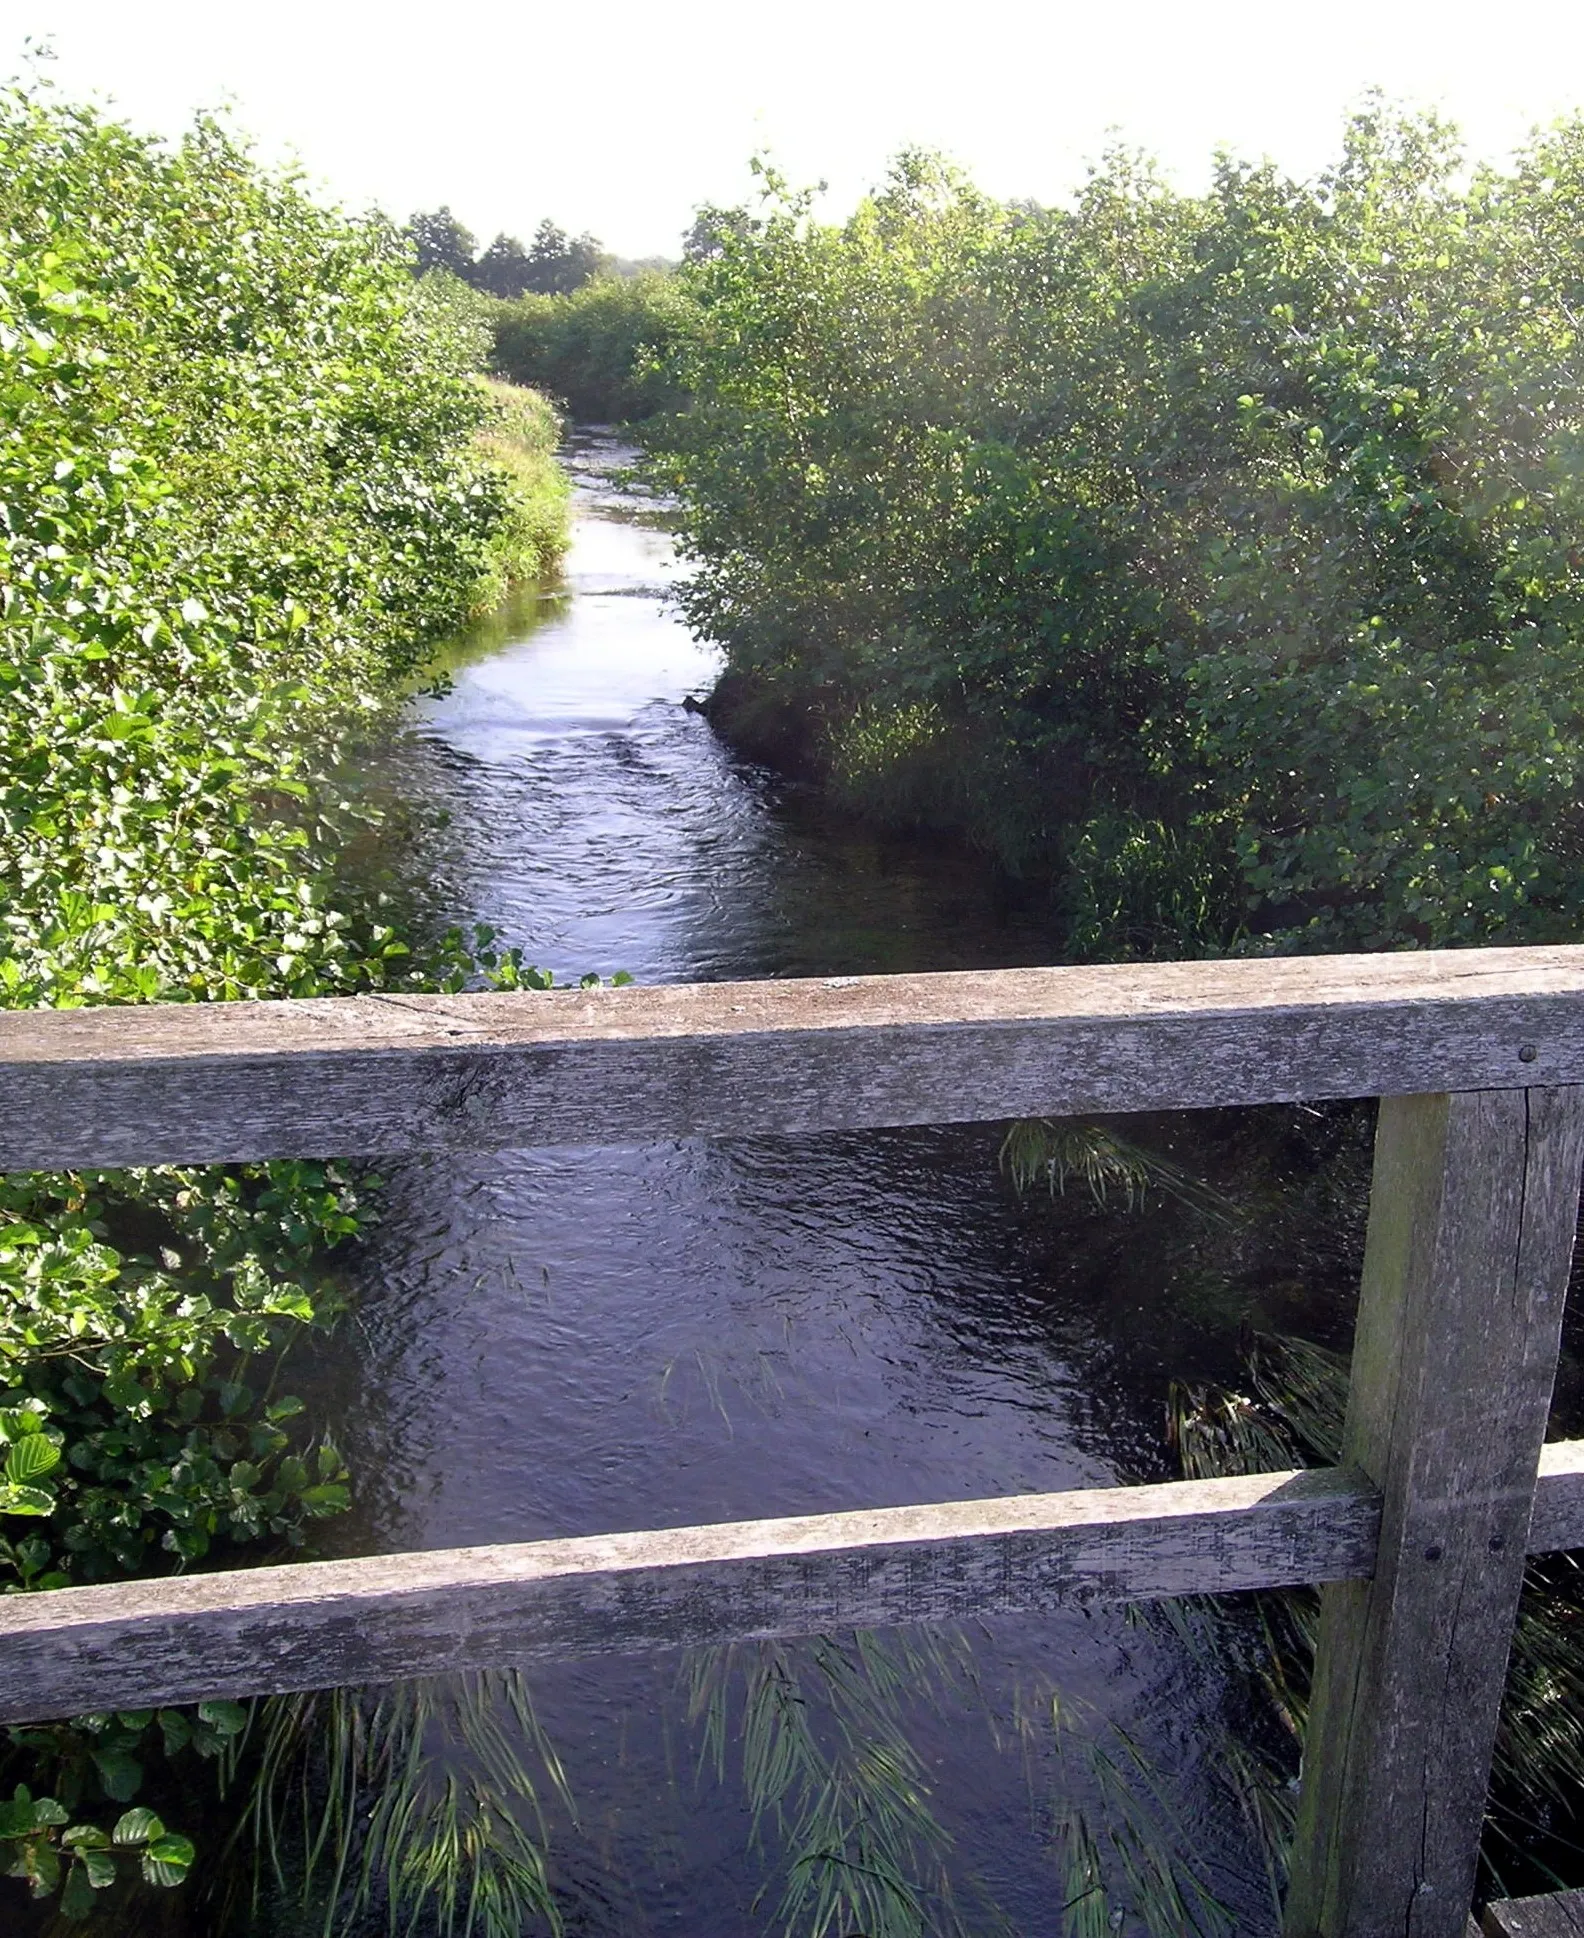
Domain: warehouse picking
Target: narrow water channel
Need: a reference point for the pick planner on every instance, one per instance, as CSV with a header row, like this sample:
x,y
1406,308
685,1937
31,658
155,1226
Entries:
x,y
556,1342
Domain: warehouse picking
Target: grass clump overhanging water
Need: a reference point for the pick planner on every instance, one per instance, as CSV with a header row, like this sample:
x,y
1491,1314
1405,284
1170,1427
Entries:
x,y
249,477
519,440
1290,1414
421,1802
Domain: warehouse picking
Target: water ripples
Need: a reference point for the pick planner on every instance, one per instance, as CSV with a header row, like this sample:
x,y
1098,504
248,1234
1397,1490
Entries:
x,y
554,1342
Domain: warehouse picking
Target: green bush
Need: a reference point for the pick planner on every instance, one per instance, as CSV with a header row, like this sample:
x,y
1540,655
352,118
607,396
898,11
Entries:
x,y
1245,525
248,477
599,351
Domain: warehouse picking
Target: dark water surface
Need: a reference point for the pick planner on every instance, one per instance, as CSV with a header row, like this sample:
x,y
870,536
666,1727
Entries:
x,y
573,1342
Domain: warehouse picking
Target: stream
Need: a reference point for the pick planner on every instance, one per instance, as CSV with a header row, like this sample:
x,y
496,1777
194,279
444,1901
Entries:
x,y
554,1342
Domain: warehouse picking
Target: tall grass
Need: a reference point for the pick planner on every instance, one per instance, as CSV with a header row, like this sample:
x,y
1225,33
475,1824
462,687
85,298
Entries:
x,y
1053,1152
420,1801
519,441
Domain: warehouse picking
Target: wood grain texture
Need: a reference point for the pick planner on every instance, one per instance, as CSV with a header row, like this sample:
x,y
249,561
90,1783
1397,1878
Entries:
x,y
1557,1518
196,1083
384,1617
1472,1217
1559,1915
317,1624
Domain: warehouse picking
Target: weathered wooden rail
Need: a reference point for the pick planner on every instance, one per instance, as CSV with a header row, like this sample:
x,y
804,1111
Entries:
x,y
1419,1537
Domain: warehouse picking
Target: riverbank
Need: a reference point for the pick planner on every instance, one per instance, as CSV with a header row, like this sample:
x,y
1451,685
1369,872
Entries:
x,y
1165,546
245,498
519,441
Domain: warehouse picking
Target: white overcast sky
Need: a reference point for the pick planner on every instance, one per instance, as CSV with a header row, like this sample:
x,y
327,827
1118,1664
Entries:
x,y
620,117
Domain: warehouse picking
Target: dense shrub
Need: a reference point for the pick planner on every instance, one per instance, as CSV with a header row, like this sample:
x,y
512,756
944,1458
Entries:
x,y
247,477
1219,557
599,351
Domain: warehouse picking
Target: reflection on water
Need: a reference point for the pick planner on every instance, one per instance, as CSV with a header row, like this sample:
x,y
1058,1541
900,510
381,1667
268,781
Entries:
x,y
569,1342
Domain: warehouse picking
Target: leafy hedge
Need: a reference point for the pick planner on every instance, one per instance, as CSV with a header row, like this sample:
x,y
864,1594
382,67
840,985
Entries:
x,y
601,350
1220,558
247,478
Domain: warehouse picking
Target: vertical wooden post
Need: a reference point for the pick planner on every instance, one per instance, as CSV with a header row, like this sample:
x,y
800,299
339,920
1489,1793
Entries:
x,y
1472,1218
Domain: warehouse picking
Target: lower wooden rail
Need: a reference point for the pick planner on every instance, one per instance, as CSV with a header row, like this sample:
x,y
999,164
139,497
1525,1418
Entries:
x,y
319,1624
1556,1916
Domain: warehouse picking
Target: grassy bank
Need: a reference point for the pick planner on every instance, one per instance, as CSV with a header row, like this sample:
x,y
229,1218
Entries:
x,y
519,441
250,478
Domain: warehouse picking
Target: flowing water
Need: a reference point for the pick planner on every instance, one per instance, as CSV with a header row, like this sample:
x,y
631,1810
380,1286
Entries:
x,y
569,1342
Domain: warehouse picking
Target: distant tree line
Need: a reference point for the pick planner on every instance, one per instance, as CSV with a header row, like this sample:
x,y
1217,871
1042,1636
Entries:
x,y
604,352
597,332
553,264
591,329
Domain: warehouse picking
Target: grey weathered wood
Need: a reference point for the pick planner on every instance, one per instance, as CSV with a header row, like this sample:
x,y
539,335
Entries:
x,y
378,1619
385,1617
1560,1915
1557,1520
1475,1202
214,1082
1471,1229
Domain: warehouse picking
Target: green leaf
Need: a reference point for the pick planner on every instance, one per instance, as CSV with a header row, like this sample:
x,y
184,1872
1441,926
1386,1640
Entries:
x,y
77,1896
30,1458
45,1874
171,1849
229,1718
28,1814
136,1827
16,1819
167,1861
122,1776
83,1837
175,1729
100,1866
25,1500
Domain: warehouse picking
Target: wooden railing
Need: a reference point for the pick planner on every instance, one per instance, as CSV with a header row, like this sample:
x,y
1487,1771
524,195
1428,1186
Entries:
x,y
1420,1535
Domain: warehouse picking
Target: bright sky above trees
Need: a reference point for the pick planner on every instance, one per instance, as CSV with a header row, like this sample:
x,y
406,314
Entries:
x,y
619,117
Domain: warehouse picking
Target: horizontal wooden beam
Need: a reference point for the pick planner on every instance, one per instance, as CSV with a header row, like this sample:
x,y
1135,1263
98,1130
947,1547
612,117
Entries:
x,y
1559,1915
379,1619
385,1617
1556,1520
223,1082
